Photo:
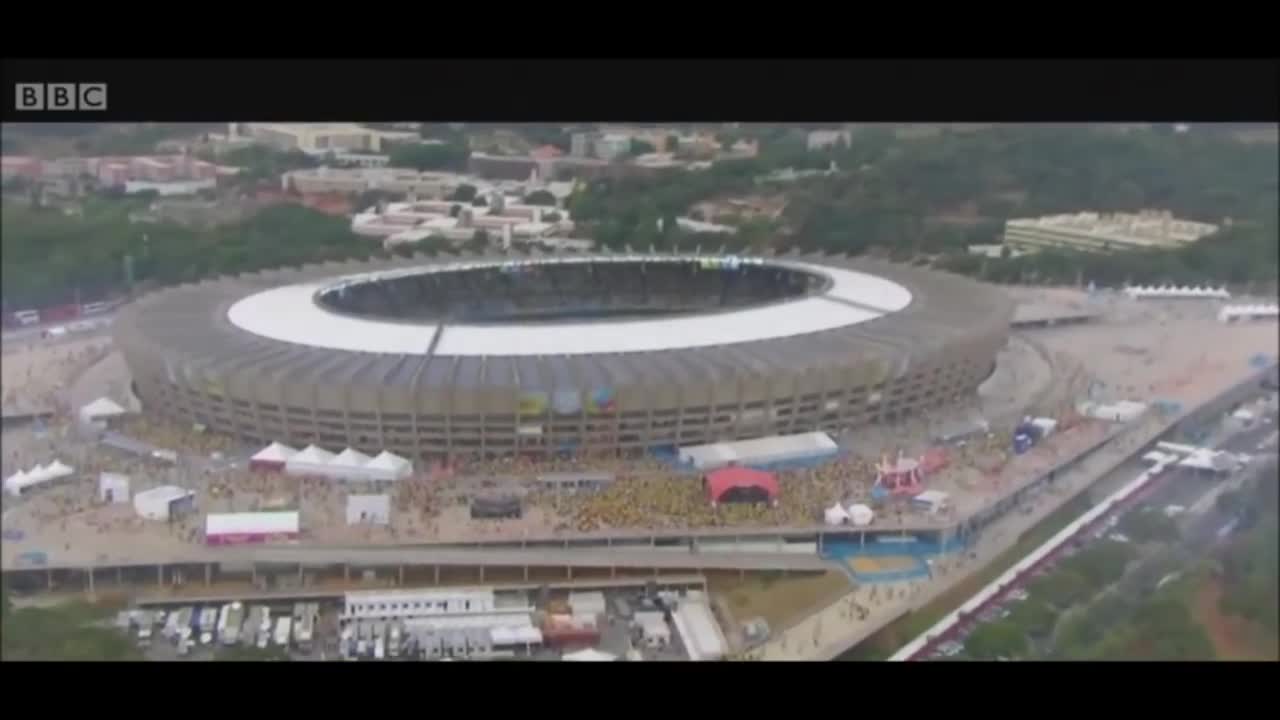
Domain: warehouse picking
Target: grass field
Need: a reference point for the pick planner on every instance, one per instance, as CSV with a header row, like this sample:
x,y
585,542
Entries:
x,y
781,601
893,636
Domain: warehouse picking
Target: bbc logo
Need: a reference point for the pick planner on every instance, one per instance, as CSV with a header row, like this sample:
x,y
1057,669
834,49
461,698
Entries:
x,y
61,96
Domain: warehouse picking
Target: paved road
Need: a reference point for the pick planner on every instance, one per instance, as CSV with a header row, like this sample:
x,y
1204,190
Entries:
x,y
590,558
95,324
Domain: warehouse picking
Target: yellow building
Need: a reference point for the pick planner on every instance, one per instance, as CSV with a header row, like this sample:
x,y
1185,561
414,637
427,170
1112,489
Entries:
x,y
1092,232
317,138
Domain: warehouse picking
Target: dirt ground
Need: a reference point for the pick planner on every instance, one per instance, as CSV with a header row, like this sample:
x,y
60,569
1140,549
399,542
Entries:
x,y
1155,350
780,601
890,563
1233,638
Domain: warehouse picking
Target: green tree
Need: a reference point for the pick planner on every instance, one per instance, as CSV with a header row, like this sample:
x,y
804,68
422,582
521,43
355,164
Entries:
x,y
464,193
422,157
994,640
540,197
641,147
1033,617
479,242
1149,525
1061,589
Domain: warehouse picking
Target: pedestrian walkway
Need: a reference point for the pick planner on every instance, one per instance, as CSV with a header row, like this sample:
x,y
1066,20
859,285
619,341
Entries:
x,y
842,625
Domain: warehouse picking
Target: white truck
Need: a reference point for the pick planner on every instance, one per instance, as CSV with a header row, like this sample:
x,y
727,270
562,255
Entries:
x,y
208,623
393,640
229,632
304,625
283,626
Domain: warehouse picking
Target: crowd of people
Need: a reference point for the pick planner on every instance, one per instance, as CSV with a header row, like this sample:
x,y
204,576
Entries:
x,y
646,492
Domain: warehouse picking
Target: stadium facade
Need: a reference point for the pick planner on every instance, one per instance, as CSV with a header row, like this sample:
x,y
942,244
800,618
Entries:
x,y
454,356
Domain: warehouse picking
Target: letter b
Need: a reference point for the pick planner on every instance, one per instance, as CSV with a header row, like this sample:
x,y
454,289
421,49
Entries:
x,y
60,96
30,96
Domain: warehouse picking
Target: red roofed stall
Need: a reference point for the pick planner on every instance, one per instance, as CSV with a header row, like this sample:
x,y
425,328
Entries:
x,y
740,484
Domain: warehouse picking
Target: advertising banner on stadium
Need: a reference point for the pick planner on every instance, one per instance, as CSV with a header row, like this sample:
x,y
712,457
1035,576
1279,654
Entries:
x,y
533,403
567,402
602,401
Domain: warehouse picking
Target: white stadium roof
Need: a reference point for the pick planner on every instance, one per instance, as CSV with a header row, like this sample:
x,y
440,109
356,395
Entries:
x,y
291,314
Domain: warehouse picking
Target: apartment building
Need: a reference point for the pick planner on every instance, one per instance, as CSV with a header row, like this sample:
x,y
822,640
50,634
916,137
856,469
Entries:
x,y
1094,232
316,138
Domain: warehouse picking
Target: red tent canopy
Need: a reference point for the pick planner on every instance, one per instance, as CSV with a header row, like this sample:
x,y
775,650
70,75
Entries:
x,y
740,484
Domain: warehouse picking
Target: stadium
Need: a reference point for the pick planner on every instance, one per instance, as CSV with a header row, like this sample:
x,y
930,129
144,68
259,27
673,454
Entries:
x,y
490,356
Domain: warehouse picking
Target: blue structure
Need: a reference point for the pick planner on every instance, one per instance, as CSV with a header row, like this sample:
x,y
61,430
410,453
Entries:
x,y
919,550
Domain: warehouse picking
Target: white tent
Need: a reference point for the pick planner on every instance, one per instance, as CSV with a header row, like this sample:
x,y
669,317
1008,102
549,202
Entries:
x,y
861,515
57,469
368,509
311,460
272,457
16,483
20,481
350,465
113,488
836,515
101,409
389,466
761,451
588,655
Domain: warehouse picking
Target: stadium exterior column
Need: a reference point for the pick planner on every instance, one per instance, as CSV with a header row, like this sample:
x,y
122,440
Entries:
x,y
49,575
90,578
613,571
160,575
526,573
208,574
232,411
119,575
436,573
401,578
346,572
568,571
481,576
795,402
820,535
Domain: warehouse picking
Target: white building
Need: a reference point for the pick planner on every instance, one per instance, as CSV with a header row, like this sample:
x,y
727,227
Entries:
x,y
822,139
173,188
163,503
113,488
611,146
655,633
405,604
316,138
1093,232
